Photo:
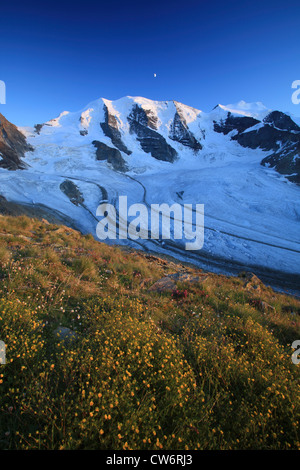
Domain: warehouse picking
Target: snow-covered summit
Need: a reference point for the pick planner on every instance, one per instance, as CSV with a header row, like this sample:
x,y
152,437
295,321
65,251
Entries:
x,y
140,132
256,110
240,160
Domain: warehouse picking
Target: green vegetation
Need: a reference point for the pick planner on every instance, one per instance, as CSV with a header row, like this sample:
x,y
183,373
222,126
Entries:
x,y
145,370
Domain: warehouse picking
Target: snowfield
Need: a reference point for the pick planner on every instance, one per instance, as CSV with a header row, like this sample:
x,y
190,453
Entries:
x,y
251,213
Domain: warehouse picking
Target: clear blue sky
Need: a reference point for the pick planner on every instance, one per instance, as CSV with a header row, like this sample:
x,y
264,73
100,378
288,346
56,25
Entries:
x,y
61,55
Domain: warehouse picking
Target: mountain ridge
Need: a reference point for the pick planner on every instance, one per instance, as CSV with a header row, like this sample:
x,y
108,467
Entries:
x,y
241,164
156,125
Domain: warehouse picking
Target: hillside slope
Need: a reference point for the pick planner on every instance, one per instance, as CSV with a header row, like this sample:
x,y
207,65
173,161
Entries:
x,y
116,349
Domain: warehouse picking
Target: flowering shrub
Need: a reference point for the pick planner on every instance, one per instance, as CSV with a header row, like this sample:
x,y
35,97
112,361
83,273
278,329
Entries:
x,y
178,294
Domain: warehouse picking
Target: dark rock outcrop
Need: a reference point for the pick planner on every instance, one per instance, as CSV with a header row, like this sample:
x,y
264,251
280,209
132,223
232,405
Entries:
x,y
286,162
145,117
281,121
152,119
38,128
83,131
72,192
13,146
111,155
110,129
180,133
277,133
234,123
168,283
286,158
150,140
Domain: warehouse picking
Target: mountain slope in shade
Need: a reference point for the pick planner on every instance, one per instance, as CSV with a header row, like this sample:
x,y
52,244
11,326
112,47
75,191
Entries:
x,y
240,161
275,133
13,145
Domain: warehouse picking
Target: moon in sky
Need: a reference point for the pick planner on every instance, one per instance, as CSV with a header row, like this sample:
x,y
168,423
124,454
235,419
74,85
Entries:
x,y
154,75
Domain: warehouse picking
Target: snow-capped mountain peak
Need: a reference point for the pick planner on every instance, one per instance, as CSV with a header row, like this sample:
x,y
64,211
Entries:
x,y
240,160
256,110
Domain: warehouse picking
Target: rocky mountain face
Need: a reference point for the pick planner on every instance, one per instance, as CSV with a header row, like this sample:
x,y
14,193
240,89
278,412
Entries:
x,y
179,131
163,130
150,140
111,130
277,133
111,155
13,146
240,161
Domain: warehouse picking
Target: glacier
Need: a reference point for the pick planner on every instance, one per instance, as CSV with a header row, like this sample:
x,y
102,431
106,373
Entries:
x,y
252,212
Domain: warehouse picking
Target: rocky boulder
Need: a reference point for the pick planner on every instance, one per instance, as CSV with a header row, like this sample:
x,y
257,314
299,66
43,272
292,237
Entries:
x,y
72,192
